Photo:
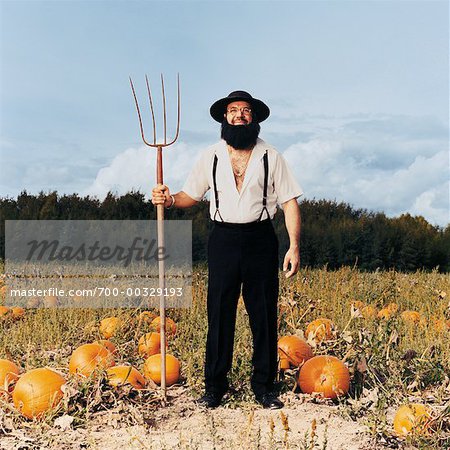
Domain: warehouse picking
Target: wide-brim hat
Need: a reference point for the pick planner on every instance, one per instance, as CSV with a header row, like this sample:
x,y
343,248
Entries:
x,y
217,109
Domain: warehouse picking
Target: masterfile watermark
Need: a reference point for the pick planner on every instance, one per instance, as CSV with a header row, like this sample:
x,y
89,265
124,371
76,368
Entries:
x,y
54,251
107,263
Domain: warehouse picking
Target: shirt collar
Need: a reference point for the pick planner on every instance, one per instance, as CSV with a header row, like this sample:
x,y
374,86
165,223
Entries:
x,y
257,153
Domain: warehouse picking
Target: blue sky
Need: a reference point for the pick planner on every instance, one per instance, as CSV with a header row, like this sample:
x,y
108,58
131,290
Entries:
x,y
358,92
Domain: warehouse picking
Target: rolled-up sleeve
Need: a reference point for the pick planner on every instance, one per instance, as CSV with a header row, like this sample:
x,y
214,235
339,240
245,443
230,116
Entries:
x,y
286,186
197,183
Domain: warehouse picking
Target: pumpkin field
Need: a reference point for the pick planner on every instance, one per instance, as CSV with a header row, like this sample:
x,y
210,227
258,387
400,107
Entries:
x,y
364,363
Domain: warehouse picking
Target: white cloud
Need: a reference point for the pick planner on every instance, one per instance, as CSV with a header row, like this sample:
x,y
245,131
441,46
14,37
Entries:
x,y
381,171
433,203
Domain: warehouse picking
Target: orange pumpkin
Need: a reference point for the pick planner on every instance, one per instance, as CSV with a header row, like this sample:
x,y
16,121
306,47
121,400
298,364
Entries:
x,y
320,330
33,302
108,345
171,326
152,369
384,314
324,374
411,317
293,351
392,307
120,375
414,418
146,317
37,392
89,358
387,312
149,344
110,326
18,312
358,304
78,299
51,301
369,312
5,312
442,325
9,373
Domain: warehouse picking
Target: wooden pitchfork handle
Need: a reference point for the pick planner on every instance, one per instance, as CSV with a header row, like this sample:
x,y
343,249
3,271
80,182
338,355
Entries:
x,y
161,273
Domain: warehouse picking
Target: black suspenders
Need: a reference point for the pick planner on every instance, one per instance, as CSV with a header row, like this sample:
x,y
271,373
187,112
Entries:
x,y
216,193
266,180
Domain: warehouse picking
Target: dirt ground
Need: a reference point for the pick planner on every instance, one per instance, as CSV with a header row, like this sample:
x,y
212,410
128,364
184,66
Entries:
x,y
181,424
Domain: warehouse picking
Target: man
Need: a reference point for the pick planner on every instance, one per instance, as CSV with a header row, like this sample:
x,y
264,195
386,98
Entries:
x,y
248,177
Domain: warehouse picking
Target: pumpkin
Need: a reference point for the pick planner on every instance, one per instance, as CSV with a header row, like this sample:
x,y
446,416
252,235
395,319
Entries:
x,y
4,312
33,302
108,345
320,330
414,418
386,313
120,375
146,317
442,325
109,326
293,351
392,307
18,312
9,373
369,312
171,326
324,374
149,344
411,317
152,369
358,305
51,301
37,392
78,299
89,358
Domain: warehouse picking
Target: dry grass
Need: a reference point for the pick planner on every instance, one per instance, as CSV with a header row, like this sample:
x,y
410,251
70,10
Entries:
x,y
391,362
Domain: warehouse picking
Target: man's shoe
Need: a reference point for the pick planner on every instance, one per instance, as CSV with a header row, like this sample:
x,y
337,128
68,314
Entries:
x,y
269,400
209,400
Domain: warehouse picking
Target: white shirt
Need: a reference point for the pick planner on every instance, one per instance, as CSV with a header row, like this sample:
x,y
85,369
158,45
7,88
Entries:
x,y
244,206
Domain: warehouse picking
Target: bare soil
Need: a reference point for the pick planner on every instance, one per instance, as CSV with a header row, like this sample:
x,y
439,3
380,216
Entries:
x,y
301,424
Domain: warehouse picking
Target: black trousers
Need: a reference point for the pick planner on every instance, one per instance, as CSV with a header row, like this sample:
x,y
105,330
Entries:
x,y
242,255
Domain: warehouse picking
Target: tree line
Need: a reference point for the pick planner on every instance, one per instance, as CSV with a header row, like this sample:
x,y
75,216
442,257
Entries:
x,y
333,234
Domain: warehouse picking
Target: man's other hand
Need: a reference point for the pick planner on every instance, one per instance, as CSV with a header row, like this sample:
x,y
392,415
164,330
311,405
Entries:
x,y
292,259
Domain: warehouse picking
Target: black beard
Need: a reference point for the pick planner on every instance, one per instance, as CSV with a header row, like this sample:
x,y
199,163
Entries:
x,y
240,137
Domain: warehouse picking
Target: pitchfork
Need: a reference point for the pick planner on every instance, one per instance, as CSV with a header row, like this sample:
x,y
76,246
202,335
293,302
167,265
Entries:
x,y
160,208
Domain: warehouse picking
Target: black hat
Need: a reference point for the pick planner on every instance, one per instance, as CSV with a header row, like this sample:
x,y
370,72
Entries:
x,y
217,110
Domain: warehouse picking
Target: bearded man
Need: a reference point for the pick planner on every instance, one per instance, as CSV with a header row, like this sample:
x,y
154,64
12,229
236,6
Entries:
x,y
248,177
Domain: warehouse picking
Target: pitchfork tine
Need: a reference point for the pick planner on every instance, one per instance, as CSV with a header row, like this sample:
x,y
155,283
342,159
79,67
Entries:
x,y
151,109
139,113
164,109
178,111
155,143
